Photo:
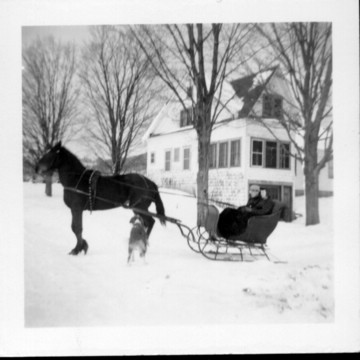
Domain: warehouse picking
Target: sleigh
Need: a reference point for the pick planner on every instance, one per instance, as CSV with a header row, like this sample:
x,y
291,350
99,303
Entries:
x,y
244,247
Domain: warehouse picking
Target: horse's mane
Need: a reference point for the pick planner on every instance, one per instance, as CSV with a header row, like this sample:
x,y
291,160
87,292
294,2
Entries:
x,y
71,158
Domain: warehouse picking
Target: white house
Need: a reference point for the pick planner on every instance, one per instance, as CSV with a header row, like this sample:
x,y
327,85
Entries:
x,y
244,150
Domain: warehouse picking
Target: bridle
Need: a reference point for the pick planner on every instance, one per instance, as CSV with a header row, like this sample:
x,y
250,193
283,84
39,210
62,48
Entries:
x,y
51,167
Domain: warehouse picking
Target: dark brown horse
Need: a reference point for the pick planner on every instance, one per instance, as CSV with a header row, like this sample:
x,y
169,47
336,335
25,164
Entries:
x,y
88,190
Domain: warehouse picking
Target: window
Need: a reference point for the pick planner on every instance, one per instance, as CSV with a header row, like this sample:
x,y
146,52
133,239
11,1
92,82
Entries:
x,y
186,158
235,153
278,113
186,117
257,153
176,155
272,106
152,158
213,156
167,160
284,156
270,154
223,155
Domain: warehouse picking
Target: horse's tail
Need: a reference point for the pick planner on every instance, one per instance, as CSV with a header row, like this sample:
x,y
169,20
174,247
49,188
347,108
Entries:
x,y
160,210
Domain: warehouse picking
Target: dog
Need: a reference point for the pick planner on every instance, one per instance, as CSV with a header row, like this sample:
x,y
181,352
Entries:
x,y
138,238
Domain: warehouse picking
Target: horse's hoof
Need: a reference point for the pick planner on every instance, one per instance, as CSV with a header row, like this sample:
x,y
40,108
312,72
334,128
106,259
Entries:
x,y
85,247
73,252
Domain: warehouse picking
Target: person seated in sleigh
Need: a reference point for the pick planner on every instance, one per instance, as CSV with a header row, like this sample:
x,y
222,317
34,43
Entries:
x,y
233,222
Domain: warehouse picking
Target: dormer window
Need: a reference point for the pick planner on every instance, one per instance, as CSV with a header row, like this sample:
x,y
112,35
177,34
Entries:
x,y
186,117
272,106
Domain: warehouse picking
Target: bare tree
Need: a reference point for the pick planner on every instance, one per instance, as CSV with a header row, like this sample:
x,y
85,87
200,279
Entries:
x,y
305,54
193,60
49,98
118,83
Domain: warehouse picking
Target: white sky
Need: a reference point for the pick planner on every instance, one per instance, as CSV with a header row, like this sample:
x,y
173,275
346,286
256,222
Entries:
x,y
76,34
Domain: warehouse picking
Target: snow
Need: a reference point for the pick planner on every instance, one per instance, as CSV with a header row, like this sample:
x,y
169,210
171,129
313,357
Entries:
x,y
261,78
175,286
236,103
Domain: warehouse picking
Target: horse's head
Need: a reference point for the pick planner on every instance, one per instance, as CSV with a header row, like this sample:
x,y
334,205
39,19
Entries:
x,y
50,161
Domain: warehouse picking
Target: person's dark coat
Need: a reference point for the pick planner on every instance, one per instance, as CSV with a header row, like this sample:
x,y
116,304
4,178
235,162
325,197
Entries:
x,y
258,206
234,221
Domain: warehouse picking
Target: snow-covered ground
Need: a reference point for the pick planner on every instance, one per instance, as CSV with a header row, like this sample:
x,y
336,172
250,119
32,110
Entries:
x,y
176,286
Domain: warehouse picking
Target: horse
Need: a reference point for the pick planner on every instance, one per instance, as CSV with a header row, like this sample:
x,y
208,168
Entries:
x,y
86,189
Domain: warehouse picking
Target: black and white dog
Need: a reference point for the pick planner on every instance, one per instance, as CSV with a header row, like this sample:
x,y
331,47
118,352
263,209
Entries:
x,y
138,239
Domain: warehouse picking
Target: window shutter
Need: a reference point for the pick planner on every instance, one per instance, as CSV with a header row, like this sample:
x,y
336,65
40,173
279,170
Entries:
x,y
186,159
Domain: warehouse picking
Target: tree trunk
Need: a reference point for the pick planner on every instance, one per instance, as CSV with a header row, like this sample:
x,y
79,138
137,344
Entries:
x,y
312,200
203,175
115,159
48,185
311,185
116,168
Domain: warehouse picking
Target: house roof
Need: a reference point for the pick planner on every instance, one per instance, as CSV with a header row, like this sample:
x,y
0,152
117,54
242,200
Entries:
x,y
155,121
243,92
249,89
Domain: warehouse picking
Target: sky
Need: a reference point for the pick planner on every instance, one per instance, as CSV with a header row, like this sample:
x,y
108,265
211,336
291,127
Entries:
x,y
76,34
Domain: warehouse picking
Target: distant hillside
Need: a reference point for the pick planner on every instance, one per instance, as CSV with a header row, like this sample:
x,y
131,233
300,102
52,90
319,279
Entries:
x,y
136,163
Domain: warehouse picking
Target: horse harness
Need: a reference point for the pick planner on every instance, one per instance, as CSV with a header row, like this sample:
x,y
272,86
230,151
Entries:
x,y
93,179
92,187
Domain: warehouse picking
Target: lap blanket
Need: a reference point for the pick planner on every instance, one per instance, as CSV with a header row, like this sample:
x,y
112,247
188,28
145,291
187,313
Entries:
x,y
232,222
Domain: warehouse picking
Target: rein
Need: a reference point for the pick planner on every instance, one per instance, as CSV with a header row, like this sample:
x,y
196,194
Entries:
x,y
81,176
177,222
96,174
218,202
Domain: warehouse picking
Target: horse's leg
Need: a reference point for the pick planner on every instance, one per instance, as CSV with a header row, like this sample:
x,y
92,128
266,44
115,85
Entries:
x,y
149,224
76,226
148,221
